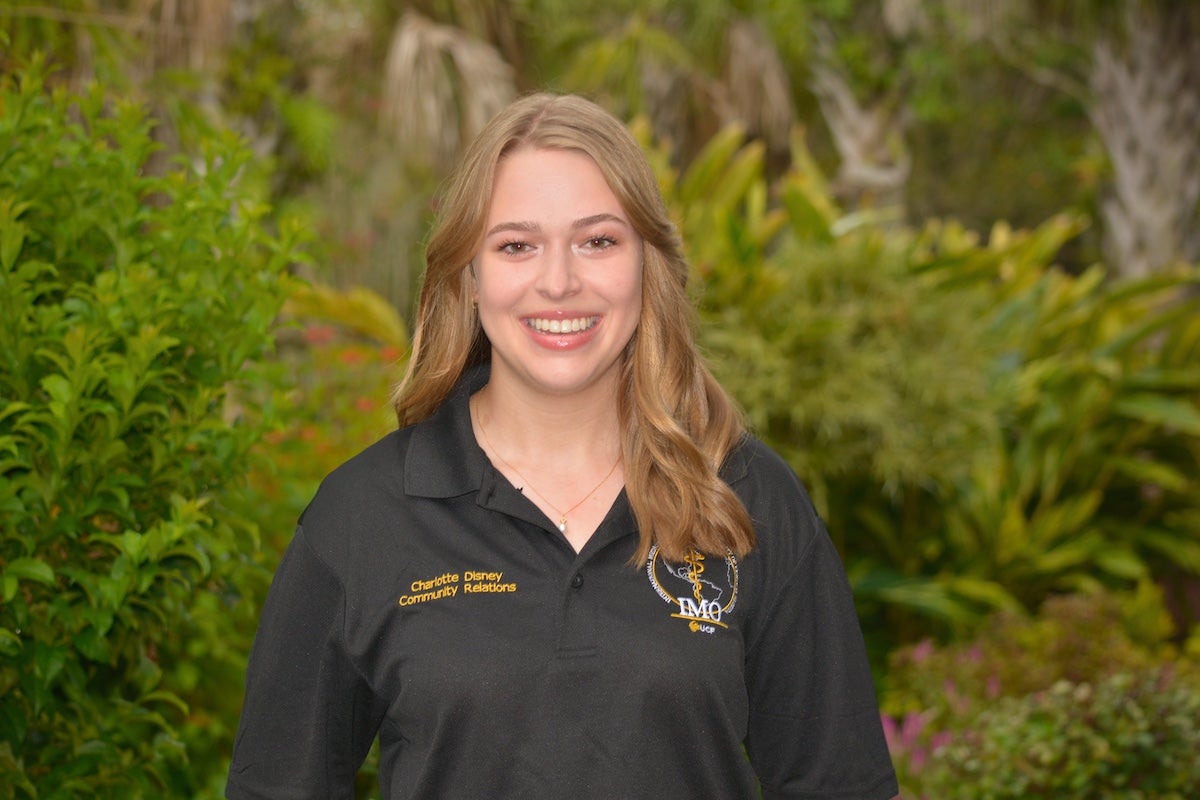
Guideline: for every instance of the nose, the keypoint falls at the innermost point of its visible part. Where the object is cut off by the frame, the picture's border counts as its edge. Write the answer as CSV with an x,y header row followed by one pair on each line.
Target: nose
x,y
559,275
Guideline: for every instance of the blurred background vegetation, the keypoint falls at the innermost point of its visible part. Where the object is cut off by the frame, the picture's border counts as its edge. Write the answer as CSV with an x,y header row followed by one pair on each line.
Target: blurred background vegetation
x,y
945,254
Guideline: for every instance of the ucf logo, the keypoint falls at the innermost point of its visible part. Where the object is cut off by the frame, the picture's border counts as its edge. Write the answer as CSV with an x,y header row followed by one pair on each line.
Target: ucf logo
x,y
702,589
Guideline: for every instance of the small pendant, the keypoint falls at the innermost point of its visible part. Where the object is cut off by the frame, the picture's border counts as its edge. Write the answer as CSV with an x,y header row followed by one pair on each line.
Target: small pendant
x,y
562,525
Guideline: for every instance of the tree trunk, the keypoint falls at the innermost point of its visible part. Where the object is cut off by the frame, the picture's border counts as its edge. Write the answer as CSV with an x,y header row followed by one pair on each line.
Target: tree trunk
x,y
1146,108
875,160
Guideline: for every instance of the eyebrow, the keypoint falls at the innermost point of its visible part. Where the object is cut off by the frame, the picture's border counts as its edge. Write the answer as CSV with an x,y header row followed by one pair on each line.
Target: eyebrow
x,y
533,227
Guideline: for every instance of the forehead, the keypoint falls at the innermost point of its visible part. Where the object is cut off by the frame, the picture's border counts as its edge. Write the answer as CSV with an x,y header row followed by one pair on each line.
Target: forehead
x,y
550,183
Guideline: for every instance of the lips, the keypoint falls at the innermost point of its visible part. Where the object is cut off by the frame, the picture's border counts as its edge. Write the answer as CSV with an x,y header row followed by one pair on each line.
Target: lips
x,y
572,325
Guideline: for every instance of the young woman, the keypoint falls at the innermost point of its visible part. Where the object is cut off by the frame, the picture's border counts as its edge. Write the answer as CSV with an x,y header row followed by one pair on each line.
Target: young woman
x,y
570,573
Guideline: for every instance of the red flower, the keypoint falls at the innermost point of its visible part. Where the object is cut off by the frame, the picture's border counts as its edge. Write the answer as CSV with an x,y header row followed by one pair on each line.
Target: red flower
x,y
351,357
319,334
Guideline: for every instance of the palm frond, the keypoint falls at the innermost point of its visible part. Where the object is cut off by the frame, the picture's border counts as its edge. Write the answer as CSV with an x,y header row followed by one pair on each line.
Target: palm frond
x,y
441,85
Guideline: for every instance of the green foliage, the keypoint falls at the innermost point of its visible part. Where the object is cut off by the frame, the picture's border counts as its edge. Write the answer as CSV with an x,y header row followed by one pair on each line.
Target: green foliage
x,y
612,65
1075,638
130,305
339,355
939,698
979,428
68,45
1128,736
1095,477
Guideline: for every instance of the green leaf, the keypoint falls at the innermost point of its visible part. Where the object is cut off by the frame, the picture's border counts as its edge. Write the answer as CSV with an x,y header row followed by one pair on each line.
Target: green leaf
x,y
92,644
1066,518
114,590
742,173
12,232
1168,412
1177,379
1121,563
1073,553
30,569
192,554
58,388
10,643
1180,547
928,596
133,544
990,593
1153,473
14,407
1133,334
705,174
169,698
810,218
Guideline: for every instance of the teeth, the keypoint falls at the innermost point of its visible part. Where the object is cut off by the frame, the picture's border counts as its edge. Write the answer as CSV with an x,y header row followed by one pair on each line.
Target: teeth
x,y
563,325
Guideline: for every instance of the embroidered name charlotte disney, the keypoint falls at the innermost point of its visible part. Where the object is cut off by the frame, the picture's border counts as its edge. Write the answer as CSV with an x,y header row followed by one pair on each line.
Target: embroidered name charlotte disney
x,y
450,583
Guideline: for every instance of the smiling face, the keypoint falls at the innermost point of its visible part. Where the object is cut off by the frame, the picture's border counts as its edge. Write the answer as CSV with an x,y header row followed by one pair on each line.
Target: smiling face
x,y
558,277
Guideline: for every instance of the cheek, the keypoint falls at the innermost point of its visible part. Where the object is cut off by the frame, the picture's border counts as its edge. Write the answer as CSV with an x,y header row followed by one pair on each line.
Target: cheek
x,y
635,290
492,290
630,302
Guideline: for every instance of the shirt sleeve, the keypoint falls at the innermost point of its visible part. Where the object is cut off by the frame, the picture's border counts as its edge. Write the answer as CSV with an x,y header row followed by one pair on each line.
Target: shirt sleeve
x,y
815,730
308,718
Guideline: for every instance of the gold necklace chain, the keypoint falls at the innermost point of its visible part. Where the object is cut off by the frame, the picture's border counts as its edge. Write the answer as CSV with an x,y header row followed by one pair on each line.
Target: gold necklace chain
x,y
562,515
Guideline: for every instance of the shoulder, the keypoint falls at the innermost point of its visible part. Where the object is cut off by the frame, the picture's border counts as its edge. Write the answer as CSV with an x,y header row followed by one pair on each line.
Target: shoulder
x,y
786,524
355,501
765,482
374,473
752,462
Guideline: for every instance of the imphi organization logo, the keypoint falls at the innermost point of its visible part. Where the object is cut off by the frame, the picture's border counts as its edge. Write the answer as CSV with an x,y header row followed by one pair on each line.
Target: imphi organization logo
x,y
702,589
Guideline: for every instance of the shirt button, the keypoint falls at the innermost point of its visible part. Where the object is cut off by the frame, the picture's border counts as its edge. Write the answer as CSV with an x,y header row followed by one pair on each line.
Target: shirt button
x,y
577,580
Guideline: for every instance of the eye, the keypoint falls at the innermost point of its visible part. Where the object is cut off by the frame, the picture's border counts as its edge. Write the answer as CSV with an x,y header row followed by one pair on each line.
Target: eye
x,y
514,247
600,242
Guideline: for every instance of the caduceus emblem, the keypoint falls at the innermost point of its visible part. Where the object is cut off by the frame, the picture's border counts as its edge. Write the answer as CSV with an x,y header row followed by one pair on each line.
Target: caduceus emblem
x,y
695,568
711,598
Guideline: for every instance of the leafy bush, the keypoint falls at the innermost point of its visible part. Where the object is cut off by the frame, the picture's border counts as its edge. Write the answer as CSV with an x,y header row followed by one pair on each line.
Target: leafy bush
x,y
1129,736
980,429
1076,638
936,694
339,355
130,304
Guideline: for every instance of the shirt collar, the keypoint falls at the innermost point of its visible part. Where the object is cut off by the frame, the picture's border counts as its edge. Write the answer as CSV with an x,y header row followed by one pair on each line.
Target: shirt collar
x,y
444,460
737,463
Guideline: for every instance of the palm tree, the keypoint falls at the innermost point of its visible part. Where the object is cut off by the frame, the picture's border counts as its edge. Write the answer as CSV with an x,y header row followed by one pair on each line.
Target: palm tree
x,y
440,86
1140,83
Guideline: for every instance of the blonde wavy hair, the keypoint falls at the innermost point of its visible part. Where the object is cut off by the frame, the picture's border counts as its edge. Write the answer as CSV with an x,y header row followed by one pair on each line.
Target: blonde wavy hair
x,y
678,424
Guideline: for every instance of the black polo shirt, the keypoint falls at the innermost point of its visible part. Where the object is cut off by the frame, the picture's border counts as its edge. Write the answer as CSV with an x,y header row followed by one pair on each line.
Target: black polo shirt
x,y
427,601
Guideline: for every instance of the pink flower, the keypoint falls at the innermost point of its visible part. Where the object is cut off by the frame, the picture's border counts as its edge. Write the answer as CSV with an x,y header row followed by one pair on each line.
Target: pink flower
x,y
889,733
921,651
911,730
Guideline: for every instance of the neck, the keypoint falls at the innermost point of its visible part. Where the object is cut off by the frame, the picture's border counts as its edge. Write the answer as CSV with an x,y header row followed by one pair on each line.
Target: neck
x,y
558,430
564,456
